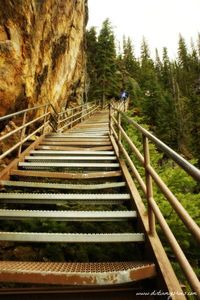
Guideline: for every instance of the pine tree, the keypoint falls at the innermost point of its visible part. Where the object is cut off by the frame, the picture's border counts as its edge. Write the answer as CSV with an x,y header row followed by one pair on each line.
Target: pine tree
x,y
183,69
198,45
166,92
158,66
91,47
130,62
166,70
182,53
106,62
150,86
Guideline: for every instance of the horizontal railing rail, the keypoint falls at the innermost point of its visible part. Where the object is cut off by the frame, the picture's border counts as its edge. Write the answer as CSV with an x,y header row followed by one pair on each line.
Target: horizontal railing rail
x,y
73,119
154,212
10,116
19,140
183,163
47,120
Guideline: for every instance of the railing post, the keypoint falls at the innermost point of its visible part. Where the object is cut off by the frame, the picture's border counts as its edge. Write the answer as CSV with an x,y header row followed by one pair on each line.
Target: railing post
x,y
72,118
58,122
110,118
22,133
149,186
82,112
119,132
45,118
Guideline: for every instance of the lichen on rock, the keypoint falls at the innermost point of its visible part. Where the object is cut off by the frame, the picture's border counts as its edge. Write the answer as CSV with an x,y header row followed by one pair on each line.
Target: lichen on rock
x,y
42,55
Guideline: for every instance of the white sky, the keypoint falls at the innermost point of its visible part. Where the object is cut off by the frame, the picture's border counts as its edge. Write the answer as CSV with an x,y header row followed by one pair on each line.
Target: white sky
x,y
160,21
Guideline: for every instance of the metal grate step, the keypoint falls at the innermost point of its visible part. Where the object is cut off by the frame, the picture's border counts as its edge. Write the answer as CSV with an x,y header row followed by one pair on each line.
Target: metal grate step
x,y
76,273
28,184
78,135
68,158
90,131
26,165
61,152
81,135
69,148
67,175
63,198
39,237
76,143
75,216
73,139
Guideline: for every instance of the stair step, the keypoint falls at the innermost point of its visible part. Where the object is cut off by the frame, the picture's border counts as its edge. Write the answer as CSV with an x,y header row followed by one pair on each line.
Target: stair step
x,y
64,196
73,139
93,124
58,199
28,184
87,134
85,125
68,148
64,273
76,143
96,122
67,165
68,215
50,152
63,202
68,158
81,135
67,175
42,237
90,131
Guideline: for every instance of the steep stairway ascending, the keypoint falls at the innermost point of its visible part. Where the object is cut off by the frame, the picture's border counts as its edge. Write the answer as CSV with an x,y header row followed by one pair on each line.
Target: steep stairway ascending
x,y
75,178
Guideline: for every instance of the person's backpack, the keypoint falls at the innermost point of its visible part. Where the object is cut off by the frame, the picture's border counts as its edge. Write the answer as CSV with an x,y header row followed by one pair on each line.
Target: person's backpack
x,y
127,94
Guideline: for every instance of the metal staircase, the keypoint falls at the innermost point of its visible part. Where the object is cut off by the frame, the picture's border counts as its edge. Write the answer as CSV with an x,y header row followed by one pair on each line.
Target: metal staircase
x,y
76,173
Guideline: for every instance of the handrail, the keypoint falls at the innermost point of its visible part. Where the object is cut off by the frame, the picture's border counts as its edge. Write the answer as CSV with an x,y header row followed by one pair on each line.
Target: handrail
x,y
50,118
21,112
181,211
21,127
150,173
75,107
69,109
183,163
88,112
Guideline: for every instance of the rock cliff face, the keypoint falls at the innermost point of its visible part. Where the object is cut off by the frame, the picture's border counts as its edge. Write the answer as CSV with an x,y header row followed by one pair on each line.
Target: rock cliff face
x,y
42,54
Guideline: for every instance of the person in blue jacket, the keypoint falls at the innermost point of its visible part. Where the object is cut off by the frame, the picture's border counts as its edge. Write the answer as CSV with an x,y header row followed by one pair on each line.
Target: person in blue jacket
x,y
124,95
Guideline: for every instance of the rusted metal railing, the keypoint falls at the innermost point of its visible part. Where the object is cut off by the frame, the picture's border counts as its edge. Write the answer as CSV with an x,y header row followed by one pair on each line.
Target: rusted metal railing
x,y
42,119
47,120
154,212
72,116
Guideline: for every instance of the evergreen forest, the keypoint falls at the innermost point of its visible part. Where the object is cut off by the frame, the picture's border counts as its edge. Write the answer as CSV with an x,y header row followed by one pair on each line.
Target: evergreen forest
x,y
164,92
165,99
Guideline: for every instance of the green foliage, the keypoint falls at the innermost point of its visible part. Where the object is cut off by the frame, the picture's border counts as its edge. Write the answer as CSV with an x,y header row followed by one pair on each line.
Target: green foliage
x,y
91,45
102,62
182,186
166,96
166,93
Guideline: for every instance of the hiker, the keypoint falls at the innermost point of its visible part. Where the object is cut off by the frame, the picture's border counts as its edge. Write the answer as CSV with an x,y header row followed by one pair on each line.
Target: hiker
x,y
123,95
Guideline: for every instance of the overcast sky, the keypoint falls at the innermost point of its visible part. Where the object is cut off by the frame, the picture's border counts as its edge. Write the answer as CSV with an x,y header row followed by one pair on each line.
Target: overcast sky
x,y
160,21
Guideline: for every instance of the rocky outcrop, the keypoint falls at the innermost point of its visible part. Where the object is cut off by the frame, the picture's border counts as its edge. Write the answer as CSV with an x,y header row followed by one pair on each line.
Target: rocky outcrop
x,y
42,54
